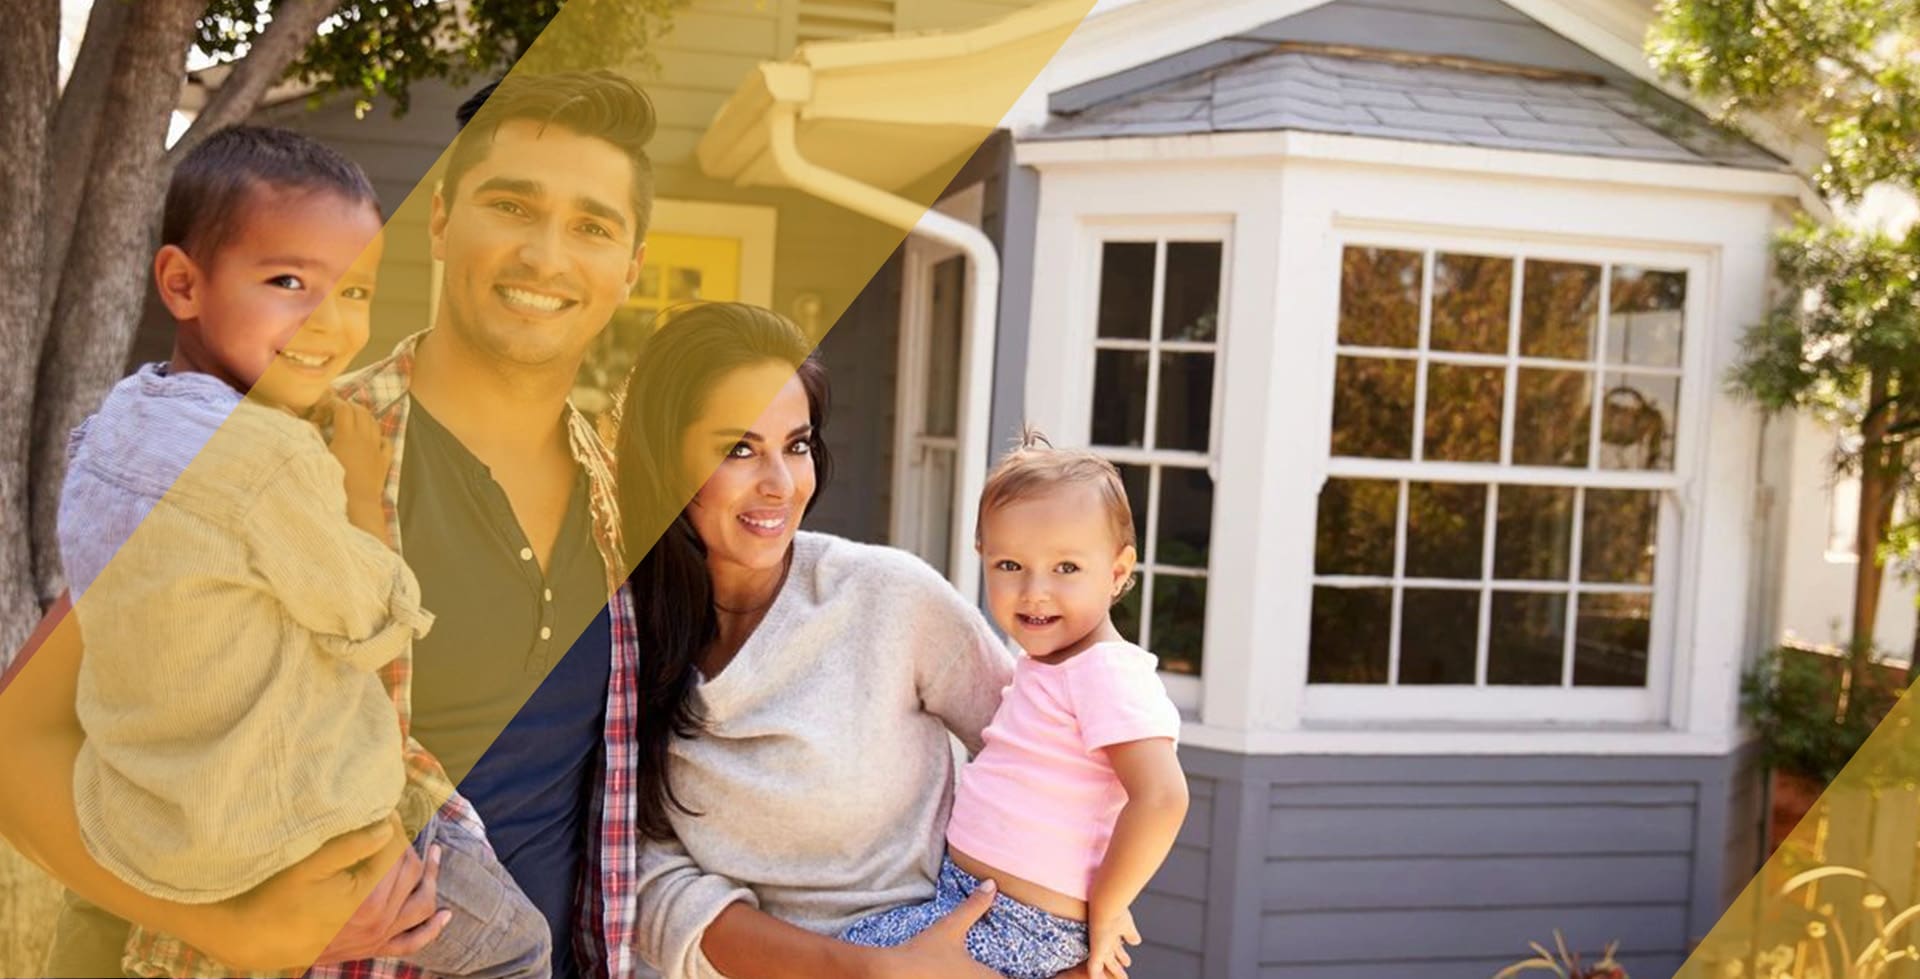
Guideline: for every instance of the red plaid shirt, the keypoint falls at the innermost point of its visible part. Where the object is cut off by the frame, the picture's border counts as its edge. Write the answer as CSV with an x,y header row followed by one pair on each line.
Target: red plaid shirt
x,y
603,936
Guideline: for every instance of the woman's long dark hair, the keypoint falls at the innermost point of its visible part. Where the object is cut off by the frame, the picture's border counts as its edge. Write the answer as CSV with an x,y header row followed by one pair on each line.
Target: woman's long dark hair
x,y
674,371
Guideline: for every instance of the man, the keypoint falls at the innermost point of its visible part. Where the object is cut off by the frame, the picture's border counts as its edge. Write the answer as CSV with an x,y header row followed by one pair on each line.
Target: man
x,y
500,496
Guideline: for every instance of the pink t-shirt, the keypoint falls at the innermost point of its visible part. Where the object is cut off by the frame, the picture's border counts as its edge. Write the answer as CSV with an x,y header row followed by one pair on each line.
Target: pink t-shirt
x,y
1040,799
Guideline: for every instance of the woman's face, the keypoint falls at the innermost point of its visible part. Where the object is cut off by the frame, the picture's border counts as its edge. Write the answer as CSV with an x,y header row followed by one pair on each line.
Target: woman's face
x,y
747,511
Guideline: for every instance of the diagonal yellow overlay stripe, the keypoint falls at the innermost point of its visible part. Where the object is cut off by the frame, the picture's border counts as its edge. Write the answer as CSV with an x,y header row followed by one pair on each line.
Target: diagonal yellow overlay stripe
x,y
1840,899
838,151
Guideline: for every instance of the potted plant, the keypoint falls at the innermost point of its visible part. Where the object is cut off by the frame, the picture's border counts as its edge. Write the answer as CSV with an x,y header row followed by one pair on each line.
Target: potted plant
x,y
1565,964
1797,701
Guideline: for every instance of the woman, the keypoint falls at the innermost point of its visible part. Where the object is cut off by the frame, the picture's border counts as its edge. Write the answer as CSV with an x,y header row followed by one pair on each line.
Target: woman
x,y
800,691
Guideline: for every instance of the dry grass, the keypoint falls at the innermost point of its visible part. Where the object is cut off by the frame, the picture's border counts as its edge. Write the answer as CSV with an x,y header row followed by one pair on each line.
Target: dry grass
x,y
29,901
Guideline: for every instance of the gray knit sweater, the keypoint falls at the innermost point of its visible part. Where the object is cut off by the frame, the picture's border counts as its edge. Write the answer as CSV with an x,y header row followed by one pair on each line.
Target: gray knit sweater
x,y
826,771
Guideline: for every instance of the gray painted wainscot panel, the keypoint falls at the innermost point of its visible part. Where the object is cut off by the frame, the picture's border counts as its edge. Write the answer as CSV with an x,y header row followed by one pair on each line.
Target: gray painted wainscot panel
x,y
1320,867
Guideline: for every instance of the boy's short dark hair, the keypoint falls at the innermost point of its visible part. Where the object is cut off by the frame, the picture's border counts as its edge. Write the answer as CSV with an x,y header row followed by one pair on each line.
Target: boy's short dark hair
x,y
210,190
600,104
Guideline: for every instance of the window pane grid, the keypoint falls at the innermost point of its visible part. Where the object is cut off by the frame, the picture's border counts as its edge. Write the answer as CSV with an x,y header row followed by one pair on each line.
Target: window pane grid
x,y
1561,590
1568,589
1628,385
1167,428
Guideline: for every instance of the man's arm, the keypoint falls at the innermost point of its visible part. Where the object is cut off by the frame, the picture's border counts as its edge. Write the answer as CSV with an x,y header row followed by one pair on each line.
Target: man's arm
x,y
284,922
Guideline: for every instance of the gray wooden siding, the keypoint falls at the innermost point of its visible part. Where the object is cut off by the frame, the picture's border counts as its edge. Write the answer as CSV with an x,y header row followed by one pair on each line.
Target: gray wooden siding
x,y
1343,868
862,354
944,15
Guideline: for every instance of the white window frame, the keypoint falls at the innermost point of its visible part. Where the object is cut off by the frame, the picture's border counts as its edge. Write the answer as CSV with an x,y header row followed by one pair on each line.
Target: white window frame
x,y
1508,705
1078,380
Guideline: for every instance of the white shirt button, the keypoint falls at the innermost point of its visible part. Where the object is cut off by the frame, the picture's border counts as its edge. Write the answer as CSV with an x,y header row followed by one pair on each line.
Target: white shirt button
x,y
549,594
546,632
526,554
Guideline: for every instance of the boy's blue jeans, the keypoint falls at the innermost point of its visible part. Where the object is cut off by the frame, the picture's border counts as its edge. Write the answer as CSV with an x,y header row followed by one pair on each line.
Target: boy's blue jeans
x,y
496,933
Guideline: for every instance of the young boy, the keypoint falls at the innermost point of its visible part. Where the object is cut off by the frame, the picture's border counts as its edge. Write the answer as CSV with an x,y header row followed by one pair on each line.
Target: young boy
x,y
231,576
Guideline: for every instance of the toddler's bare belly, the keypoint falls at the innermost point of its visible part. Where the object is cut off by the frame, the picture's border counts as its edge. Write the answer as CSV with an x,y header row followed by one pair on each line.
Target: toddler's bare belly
x,y
1020,889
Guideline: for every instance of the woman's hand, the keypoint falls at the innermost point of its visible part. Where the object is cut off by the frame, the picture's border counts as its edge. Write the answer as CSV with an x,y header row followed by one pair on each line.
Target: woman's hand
x,y
399,918
940,952
1107,939
296,916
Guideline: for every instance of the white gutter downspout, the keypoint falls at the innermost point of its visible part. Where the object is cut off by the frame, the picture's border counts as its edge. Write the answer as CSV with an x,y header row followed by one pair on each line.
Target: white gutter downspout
x,y
977,340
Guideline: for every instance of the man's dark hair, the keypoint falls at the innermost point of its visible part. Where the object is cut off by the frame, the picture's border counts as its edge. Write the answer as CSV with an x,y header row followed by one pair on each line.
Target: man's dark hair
x,y
212,187
599,104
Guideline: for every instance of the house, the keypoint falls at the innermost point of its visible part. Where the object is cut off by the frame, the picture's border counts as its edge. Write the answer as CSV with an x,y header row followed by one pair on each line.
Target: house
x,y
1406,322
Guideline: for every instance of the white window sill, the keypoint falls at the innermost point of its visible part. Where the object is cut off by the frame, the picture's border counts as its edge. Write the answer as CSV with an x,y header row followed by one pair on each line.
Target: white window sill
x,y
1463,739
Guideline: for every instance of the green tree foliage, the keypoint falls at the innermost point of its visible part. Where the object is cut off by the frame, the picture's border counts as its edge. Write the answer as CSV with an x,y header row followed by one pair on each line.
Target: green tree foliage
x,y
1843,338
86,165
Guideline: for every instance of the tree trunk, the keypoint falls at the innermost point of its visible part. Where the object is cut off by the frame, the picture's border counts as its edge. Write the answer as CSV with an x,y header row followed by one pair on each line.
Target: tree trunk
x,y
98,301
1878,480
76,128
29,76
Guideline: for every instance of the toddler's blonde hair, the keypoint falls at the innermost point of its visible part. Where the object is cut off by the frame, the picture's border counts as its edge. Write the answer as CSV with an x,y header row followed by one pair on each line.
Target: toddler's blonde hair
x,y
1034,468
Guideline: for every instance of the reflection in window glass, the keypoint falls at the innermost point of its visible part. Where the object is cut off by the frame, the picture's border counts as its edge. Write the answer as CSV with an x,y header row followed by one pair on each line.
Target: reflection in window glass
x,y
1441,648
1472,302
1551,415
1185,420
1126,289
1120,394
1186,518
1610,641
1463,413
1379,298
1350,634
1373,408
1526,642
1533,535
1193,291
1637,412
1179,621
683,285
1445,526
1646,308
1559,310
1617,536
1135,479
1126,615
1356,527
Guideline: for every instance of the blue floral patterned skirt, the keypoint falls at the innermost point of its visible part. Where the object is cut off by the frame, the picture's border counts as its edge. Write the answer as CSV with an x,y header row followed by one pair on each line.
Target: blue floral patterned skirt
x,y
1017,940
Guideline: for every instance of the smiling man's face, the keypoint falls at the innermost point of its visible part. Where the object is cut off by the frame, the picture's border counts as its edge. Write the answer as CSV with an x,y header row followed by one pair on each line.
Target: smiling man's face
x,y
539,241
